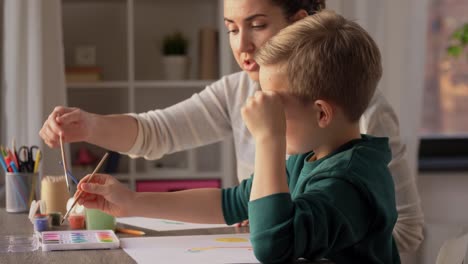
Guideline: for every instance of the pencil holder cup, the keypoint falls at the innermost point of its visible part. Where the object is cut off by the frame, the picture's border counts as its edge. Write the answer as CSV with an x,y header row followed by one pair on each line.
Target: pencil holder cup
x,y
98,220
19,191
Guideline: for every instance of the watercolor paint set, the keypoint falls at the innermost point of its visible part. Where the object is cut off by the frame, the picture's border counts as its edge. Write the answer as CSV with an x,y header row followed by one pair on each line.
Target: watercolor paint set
x,y
79,239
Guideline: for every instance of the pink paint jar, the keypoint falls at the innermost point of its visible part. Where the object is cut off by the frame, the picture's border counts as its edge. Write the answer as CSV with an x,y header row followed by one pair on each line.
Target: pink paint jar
x,y
76,221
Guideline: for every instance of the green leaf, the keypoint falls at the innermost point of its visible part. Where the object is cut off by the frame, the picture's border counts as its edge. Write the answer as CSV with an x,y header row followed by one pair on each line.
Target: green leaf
x,y
457,34
464,38
454,51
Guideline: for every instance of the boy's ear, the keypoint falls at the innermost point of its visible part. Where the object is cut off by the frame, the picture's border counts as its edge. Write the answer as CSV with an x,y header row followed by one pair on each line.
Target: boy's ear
x,y
302,13
324,113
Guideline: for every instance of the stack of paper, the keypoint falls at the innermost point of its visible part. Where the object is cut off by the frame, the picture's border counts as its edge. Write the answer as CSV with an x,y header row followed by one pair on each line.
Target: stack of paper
x,y
219,249
162,224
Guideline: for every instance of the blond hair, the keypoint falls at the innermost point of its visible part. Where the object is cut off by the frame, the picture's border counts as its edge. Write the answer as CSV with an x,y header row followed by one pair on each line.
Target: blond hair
x,y
327,57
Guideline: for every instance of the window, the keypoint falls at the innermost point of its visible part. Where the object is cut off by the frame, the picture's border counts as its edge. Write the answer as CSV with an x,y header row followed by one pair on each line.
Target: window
x,y
444,130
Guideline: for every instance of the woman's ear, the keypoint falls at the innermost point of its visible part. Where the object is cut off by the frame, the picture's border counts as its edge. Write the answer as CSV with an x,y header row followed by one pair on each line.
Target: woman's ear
x,y
298,16
324,113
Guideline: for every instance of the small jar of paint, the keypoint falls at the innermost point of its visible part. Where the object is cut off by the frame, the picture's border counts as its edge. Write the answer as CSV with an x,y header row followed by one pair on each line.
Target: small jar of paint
x,y
41,222
76,221
55,217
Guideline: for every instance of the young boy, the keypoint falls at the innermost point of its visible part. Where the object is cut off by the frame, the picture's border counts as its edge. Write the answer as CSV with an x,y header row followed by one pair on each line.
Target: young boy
x,y
335,199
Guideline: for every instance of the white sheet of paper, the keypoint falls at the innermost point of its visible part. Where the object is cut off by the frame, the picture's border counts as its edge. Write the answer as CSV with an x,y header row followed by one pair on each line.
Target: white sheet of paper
x,y
453,251
162,224
219,249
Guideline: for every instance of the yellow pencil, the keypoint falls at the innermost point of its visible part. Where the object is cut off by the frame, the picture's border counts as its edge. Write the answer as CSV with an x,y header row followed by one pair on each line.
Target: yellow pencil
x,y
130,231
33,189
33,184
38,159
36,167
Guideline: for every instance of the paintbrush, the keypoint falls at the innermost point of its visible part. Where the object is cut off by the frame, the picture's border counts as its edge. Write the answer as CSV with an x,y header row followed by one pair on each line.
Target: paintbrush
x,y
64,163
89,179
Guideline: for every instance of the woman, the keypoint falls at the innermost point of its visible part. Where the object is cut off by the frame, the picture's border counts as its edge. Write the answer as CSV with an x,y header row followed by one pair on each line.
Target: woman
x,y
214,114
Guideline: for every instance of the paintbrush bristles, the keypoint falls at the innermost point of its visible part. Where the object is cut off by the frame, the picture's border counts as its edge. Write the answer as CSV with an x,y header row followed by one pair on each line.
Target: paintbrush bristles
x,y
89,179
64,163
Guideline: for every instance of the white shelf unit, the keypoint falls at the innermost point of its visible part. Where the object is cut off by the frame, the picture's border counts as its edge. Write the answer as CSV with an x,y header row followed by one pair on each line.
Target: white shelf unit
x,y
127,36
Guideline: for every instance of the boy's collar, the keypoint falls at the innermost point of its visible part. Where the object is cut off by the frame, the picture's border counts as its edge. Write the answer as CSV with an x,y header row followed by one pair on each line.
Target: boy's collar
x,y
312,157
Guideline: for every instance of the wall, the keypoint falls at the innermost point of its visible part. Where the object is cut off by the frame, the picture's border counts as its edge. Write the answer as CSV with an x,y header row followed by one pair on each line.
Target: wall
x,y
2,119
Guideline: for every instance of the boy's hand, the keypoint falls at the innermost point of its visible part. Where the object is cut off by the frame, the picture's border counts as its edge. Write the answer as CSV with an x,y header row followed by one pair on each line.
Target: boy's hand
x,y
107,194
242,224
264,115
73,123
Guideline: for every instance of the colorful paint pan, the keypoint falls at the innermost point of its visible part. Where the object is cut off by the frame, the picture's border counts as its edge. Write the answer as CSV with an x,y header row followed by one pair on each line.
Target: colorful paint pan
x,y
79,239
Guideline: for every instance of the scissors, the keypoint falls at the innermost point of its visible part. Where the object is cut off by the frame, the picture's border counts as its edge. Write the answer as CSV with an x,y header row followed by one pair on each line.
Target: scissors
x,y
25,158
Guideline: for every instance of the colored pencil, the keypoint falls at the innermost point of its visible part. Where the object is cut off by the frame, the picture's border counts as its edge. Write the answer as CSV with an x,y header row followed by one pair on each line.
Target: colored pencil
x,y
130,231
36,162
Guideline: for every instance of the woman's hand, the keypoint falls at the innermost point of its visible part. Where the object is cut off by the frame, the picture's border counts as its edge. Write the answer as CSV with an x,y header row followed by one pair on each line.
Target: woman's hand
x,y
73,124
107,194
264,115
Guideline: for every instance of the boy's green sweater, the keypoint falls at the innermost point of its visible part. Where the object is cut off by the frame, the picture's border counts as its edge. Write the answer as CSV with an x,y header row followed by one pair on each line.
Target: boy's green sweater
x,y
340,207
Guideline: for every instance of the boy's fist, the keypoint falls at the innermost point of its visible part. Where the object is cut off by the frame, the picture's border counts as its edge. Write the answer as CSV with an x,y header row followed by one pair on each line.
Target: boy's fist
x,y
264,115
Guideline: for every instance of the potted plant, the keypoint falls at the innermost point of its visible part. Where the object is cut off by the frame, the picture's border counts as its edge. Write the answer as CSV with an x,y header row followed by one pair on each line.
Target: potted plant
x,y
459,40
175,59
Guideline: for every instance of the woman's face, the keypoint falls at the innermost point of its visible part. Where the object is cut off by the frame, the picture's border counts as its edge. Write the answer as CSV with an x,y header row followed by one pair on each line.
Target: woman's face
x,y
250,23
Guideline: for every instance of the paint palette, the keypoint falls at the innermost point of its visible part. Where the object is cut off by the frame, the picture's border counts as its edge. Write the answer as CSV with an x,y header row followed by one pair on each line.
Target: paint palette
x,y
79,239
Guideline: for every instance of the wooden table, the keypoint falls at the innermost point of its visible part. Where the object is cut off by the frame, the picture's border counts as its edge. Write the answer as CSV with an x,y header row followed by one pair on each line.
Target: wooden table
x,y
19,224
